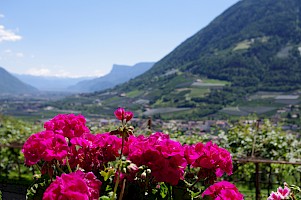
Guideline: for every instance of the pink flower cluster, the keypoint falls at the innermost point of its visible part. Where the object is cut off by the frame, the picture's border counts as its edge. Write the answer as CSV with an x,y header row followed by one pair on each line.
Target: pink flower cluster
x,y
66,139
209,157
282,193
51,144
45,145
223,191
165,157
92,152
67,136
76,186
68,125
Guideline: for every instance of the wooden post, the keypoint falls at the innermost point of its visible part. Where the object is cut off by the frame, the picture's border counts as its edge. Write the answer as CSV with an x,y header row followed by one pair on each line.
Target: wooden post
x,y
257,181
149,123
270,185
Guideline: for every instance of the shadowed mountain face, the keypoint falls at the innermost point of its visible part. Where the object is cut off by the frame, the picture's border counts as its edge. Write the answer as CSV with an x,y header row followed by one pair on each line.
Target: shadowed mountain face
x,y
9,84
119,74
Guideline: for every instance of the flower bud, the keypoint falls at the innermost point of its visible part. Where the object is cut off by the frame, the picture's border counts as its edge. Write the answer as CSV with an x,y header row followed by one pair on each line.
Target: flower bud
x,y
132,167
143,175
119,113
128,115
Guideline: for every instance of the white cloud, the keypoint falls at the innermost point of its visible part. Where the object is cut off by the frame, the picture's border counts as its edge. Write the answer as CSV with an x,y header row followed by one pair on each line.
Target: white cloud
x,y
20,54
98,73
8,35
8,51
1,15
38,72
43,71
62,73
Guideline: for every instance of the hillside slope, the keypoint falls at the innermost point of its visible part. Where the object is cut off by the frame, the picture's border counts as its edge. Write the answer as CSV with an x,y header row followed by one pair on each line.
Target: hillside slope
x,y
9,84
254,37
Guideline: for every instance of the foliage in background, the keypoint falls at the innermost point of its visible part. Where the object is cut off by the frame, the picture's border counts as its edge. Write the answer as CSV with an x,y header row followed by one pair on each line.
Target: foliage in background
x,y
13,133
263,140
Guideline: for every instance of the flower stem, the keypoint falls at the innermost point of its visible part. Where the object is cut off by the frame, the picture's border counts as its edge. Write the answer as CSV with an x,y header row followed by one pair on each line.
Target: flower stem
x,y
122,190
39,168
68,165
199,178
58,167
119,168
116,183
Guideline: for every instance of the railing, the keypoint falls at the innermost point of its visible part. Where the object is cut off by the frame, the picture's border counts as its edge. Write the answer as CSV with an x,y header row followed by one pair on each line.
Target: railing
x,y
257,163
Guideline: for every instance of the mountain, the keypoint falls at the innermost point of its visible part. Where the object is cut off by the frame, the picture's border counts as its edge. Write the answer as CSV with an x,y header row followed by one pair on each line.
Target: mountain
x,y
50,83
118,74
253,46
260,38
9,84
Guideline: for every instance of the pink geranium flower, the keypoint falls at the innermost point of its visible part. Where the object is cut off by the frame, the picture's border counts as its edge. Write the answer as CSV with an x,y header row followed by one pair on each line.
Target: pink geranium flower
x,y
68,125
162,155
274,196
92,152
33,148
223,190
284,192
210,157
190,154
46,146
56,147
76,186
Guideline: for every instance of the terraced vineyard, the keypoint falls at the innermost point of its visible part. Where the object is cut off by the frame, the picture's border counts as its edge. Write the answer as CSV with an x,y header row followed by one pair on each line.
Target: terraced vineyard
x,y
264,103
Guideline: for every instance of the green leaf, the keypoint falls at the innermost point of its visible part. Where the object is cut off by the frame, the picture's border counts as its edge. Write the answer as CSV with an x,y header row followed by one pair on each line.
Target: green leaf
x,y
163,190
107,173
104,198
194,194
37,189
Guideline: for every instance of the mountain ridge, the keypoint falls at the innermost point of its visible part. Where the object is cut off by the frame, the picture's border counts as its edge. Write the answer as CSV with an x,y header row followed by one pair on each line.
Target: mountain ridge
x,y
50,83
9,84
118,74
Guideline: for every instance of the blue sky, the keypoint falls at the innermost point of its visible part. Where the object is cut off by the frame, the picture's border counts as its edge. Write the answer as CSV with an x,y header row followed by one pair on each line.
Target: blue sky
x,y
85,38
